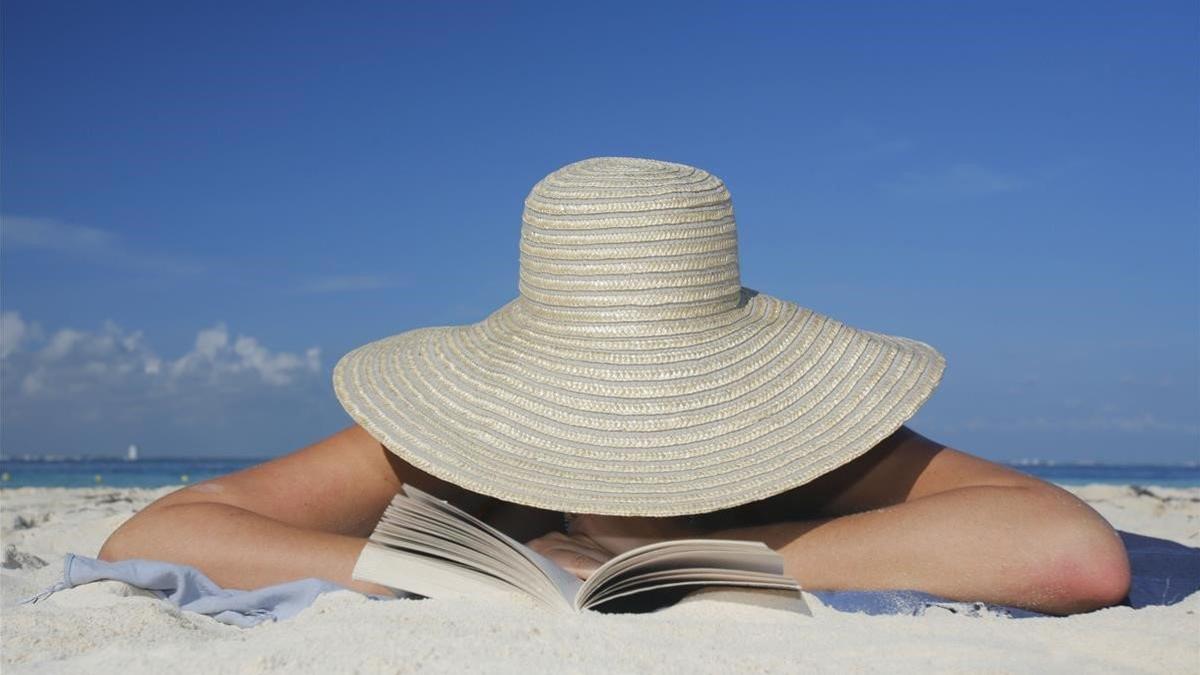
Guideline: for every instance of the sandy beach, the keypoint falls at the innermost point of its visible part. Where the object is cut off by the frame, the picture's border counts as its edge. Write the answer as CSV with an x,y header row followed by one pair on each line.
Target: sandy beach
x,y
108,627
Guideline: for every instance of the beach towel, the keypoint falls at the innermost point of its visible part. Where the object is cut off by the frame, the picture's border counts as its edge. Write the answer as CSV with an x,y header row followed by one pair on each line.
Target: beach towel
x,y
1164,573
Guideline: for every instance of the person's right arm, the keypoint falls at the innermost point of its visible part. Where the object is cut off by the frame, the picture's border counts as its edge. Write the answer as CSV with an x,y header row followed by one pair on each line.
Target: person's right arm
x,y
306,514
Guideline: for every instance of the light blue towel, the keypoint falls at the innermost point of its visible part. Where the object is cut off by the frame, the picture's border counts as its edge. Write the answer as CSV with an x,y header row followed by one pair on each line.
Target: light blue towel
x,y
1164,572
188,588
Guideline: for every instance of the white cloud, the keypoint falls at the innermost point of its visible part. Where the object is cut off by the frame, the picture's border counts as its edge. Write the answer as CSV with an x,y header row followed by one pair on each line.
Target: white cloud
x,y
95,390
14,332
959,180
44,233
61,344
71,362
215,355
91,244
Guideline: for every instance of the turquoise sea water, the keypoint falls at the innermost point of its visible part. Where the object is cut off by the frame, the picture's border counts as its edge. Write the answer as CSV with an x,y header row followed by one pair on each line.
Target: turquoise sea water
x,y
160,472
116,472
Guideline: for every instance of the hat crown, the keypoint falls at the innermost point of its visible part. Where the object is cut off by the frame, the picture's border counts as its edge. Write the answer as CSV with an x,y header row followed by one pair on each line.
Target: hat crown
x,y
619,239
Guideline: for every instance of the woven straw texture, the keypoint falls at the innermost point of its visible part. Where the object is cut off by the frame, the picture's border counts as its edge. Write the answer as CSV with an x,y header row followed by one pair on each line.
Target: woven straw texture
x,y
633,374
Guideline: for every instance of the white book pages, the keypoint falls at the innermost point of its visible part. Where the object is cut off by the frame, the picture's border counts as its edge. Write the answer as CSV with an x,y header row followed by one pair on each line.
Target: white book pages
x,y
565,584
430,547
686,553
404,528
697,583
709,575
425,576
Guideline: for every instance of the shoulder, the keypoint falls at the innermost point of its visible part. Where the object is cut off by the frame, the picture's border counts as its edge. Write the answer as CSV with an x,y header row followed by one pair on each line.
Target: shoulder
x,y
396,471
337,483
904,466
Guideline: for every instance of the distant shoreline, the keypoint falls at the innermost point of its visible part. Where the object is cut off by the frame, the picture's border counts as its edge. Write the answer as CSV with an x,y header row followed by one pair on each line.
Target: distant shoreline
x,y
249,461
152,472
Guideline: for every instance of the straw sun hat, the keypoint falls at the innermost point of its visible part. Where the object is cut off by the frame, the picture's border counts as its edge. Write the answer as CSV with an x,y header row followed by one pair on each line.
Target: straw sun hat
x,y
633,374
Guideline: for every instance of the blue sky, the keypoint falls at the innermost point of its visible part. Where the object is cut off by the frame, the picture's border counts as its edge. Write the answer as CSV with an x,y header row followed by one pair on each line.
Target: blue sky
x,y
205,206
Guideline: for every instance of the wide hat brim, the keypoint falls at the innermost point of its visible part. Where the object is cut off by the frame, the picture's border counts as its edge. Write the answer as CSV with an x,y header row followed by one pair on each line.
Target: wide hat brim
x,y
745,405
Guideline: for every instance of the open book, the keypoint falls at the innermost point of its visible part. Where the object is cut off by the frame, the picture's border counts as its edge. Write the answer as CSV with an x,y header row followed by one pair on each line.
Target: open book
x,y
427,546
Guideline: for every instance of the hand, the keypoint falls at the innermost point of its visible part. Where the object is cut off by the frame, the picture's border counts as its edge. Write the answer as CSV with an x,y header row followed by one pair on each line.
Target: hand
x,y
576,553
618,534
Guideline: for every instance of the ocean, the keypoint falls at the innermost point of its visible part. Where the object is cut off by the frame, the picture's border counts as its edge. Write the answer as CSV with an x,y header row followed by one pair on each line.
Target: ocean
x,y
113,472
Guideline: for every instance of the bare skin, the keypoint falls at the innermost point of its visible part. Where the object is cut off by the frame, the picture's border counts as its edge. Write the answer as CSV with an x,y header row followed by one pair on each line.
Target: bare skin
x,y
911,513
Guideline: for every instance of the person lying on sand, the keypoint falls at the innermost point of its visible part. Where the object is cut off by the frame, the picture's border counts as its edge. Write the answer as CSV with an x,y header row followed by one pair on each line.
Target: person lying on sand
x,y
635,391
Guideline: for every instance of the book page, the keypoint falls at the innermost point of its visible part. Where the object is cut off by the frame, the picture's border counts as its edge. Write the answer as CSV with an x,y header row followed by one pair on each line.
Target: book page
x,y
430,547
420,574
419,526
682,574
409,523
695,582
565,584
466,556
690,561
680,554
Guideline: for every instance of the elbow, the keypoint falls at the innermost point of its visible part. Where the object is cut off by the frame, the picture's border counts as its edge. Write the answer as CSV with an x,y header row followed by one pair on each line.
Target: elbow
x,y
1086,580
109,552
140,534
115,548
1083,566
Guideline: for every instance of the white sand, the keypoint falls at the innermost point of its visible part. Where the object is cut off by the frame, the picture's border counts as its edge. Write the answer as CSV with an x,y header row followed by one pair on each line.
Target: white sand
x,y
105,627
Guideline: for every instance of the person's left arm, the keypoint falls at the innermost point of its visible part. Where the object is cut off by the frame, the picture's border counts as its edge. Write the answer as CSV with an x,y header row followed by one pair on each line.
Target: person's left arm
x,y
914,514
